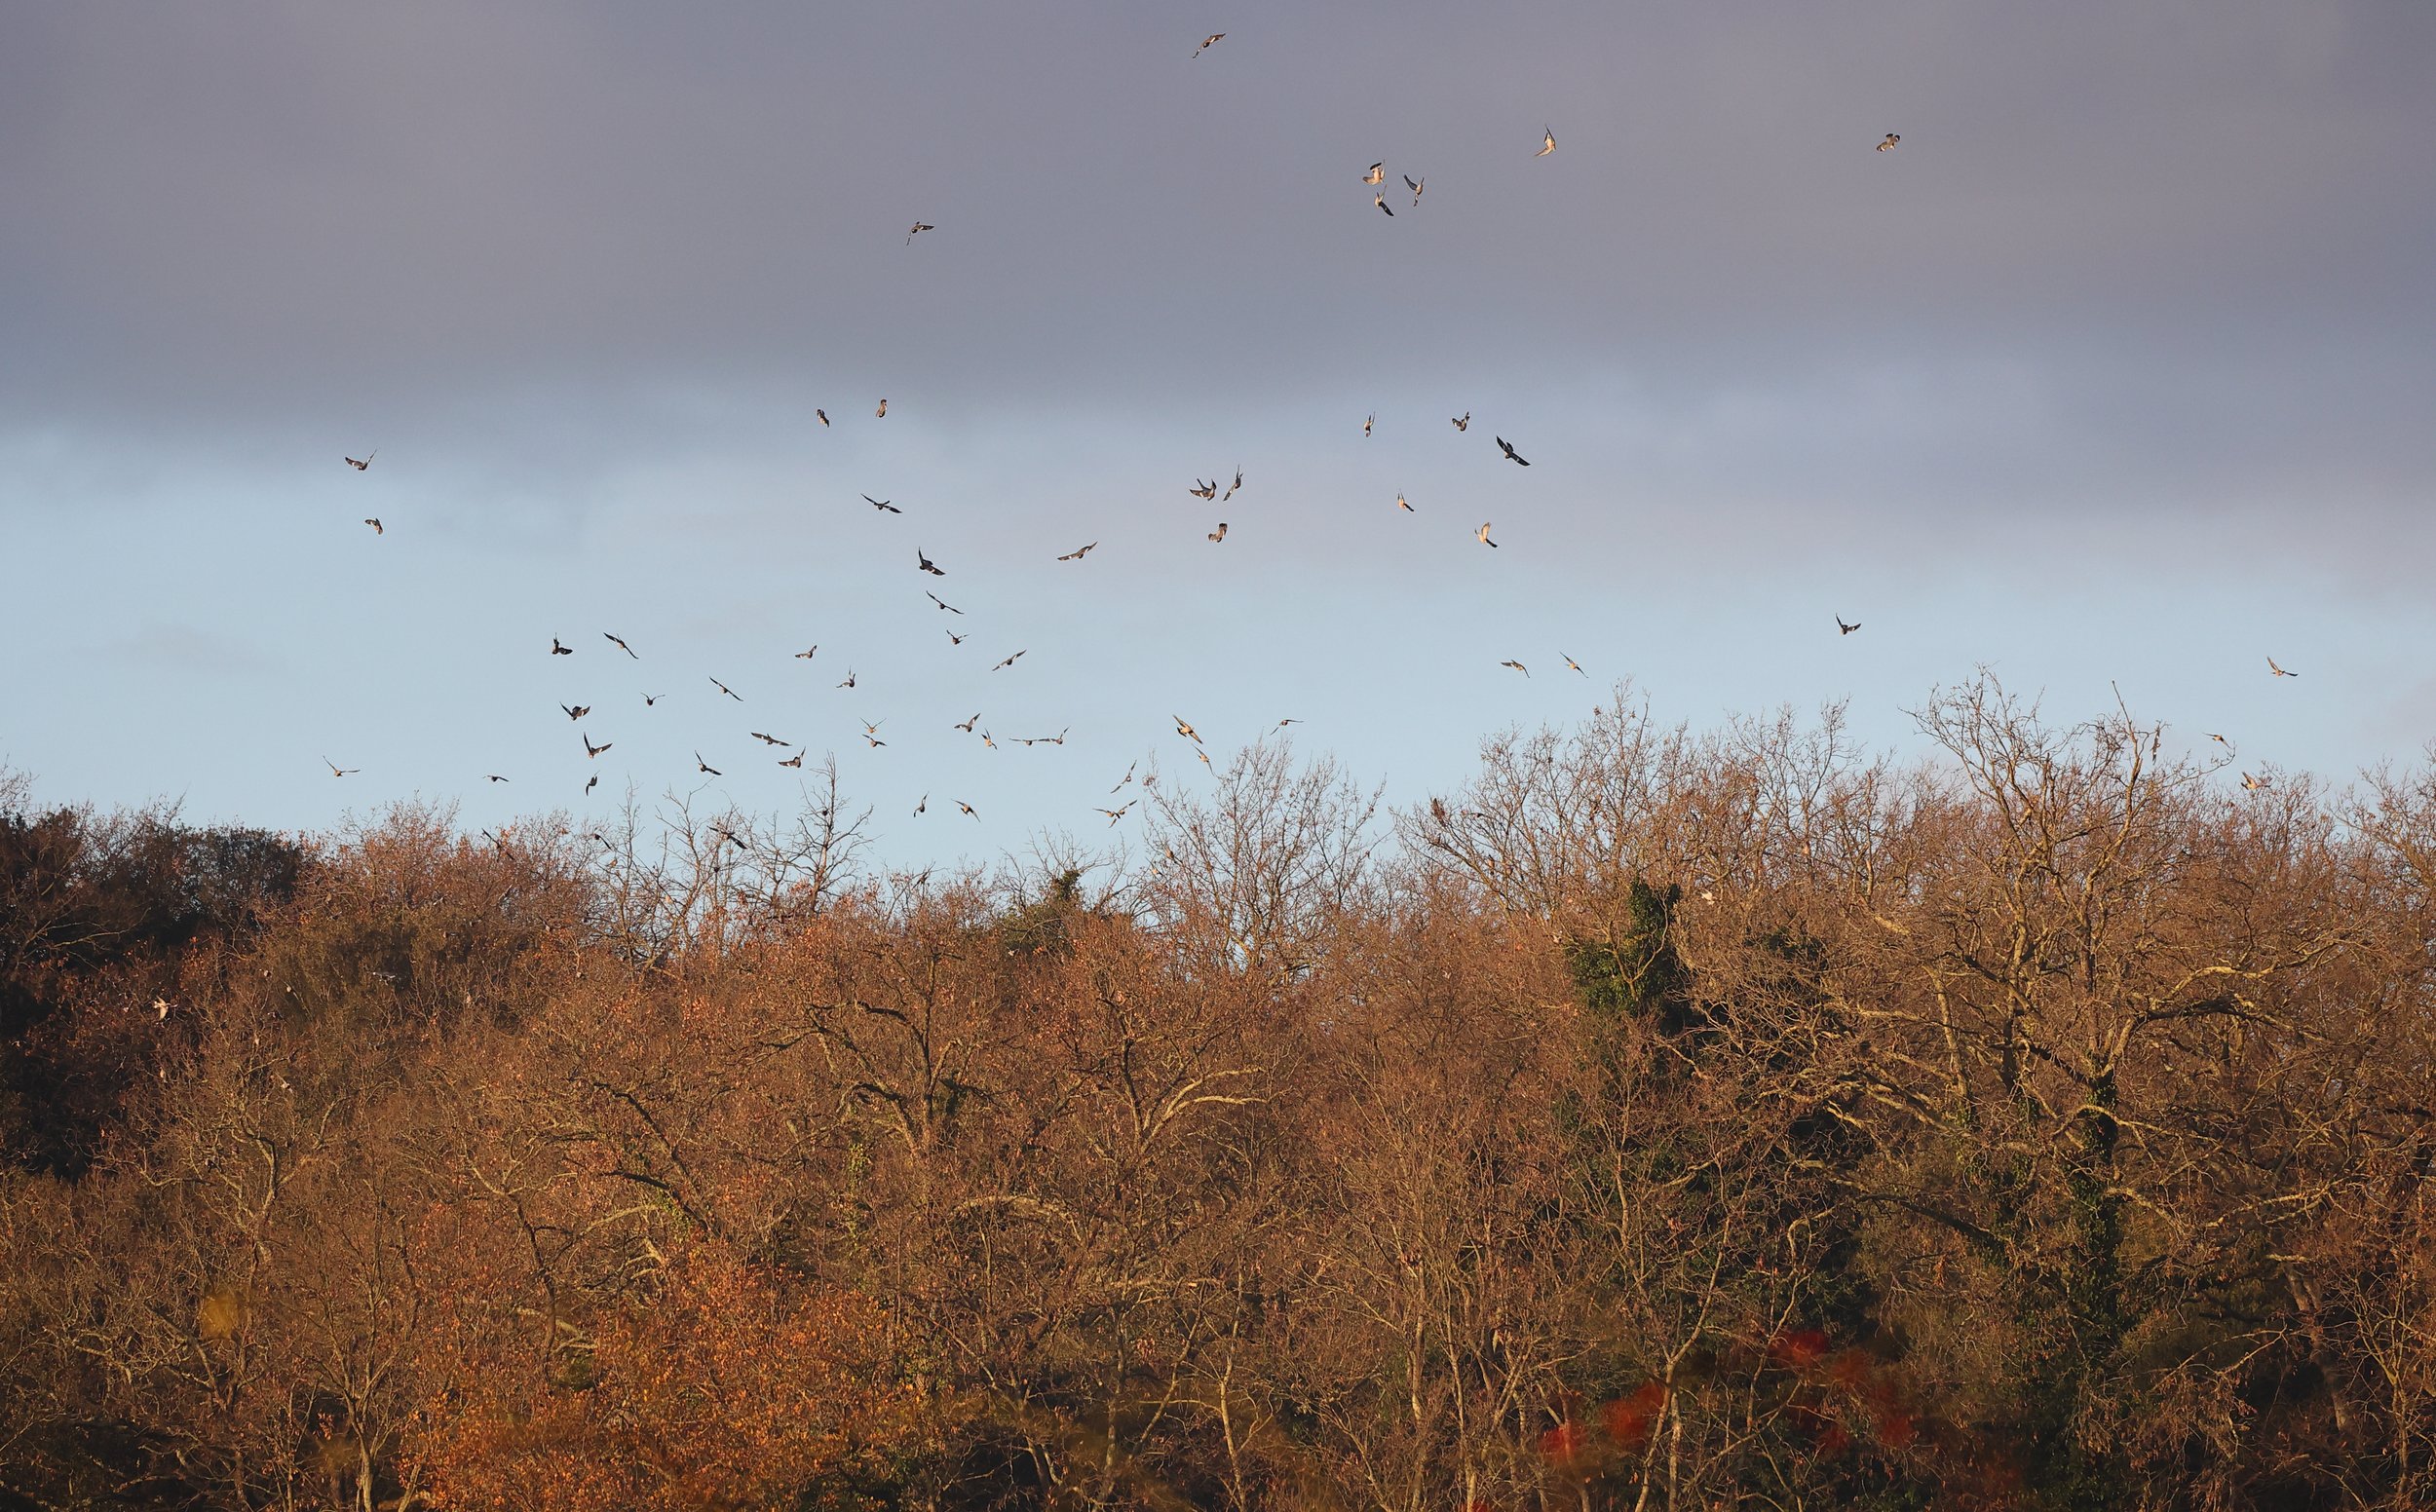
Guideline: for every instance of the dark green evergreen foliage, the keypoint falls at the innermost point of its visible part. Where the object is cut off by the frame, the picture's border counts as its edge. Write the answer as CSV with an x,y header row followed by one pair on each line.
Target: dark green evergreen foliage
x,y
1634,972
94,916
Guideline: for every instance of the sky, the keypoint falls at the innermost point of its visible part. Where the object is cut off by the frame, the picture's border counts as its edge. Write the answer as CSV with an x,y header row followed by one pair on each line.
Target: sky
x,y
2115,375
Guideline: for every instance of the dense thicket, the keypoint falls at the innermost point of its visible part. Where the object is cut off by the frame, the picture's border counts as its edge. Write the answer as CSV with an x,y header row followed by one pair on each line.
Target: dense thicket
x,y
1662,1120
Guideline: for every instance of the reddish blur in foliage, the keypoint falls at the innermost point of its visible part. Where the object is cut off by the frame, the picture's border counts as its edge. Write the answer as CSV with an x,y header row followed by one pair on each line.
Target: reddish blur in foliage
x,y
1629,1420
1798,1348
1563,1444
724,1390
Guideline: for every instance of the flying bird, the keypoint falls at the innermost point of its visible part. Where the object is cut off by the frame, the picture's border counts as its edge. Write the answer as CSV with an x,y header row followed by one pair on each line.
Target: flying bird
x,y
882,504
2218,739
1371,419
338,771
1220,534
922,808
925,564
1414,184
1078,554
1547,142
796,761
376,526
1576,665
881,411
822,416
768,739
1400,502
967,726
919,227
1010,660
943,603
651,699
1232,487
1282,722
1209,42
875,742
1185,729
590,750
1377,176
1888,145
1201,490
1114,815
968,807
558,650
494,777
806,656
1517,666
364,462
2277,670
576,710
1380,200
1482,534
955,640
850,678
1511,455
724,688
2253,784
620,645
590,782
986,742
705,766
1845,629
1464,424
1127,777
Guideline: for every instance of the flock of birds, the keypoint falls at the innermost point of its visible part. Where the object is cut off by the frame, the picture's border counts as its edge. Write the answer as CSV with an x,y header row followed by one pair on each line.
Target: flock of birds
x,y
1207,490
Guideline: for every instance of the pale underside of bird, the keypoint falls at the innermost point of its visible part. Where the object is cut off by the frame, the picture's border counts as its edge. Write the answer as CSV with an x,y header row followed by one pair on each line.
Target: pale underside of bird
x,y
1380,200
1464,423
881,411
1114,815
808,655
375,524
1078,552
923,563
1127,777
822,416
850,678
1576,665
1377,176
1547,142
1185,729
2252,783
1372,418
1201,490
1846,628
359,464
968,807
1220,534
1209,42
591,751
1402,502
967,726
2277,670
703,765
1517,666
1511,455
882,504
796,761
1482,534
620,644
919,227
1415,186
724,688
1888,145
955,640
337,770
1233,487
